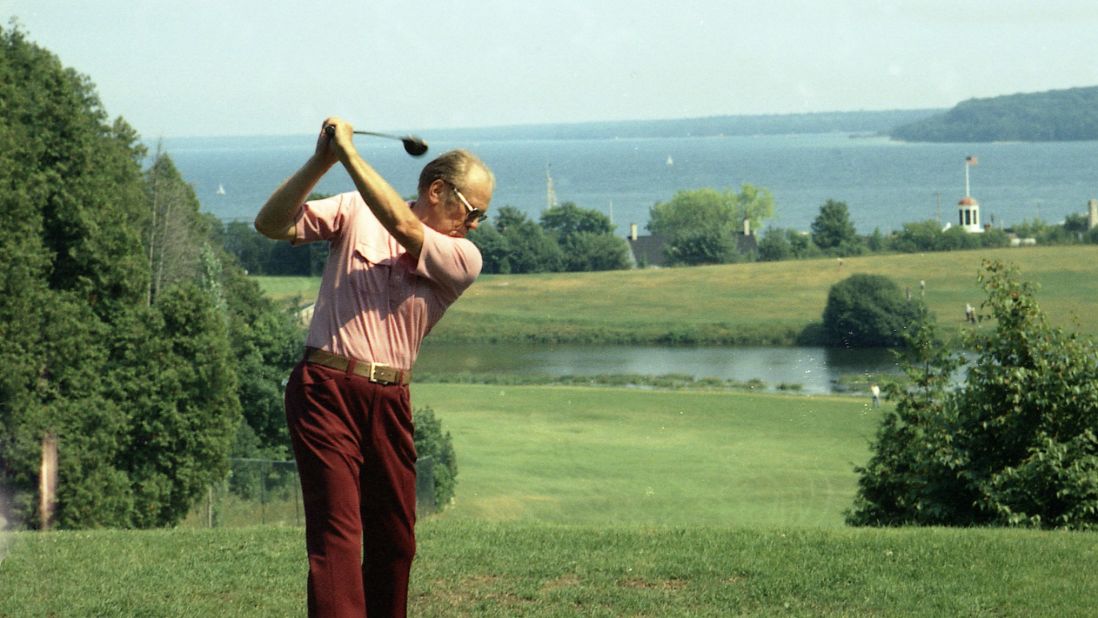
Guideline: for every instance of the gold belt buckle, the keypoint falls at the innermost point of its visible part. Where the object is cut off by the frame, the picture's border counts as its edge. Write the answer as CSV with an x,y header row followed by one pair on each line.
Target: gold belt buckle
x,y
381,373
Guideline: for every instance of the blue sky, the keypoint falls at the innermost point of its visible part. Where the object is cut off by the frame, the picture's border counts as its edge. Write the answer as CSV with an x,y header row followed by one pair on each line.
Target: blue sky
x,y
178,68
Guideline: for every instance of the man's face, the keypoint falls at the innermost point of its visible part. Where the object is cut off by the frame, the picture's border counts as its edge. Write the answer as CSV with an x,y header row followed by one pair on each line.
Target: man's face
x,y
464,205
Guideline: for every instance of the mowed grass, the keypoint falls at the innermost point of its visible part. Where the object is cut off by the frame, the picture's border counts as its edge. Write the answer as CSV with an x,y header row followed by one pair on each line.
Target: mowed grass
x,y
611,456
754,303
600,502
531,569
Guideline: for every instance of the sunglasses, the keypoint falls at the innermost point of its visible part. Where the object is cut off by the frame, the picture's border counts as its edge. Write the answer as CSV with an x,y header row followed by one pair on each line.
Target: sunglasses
x,y
472,214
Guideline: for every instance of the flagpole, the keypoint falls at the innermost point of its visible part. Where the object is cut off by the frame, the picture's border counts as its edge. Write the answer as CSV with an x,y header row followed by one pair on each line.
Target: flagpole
x,y
966,178
969,161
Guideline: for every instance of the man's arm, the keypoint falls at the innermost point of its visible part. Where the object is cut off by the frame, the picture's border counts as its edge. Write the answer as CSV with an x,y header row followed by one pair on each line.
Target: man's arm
x,y
276,219
387,205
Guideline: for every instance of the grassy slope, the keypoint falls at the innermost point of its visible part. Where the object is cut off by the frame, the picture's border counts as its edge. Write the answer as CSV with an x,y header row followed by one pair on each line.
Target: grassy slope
x,y
625,456
517,569
738,303
601,502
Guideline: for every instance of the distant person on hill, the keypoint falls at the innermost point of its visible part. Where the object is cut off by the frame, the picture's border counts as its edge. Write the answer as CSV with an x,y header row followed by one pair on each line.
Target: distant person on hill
x,y
875,392
392,270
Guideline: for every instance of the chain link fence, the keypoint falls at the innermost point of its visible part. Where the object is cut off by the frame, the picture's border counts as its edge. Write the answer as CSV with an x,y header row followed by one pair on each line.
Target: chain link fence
x,y
267,492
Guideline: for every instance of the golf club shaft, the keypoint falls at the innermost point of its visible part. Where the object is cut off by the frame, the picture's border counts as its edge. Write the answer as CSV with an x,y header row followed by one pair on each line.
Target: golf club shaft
x,y
330,130
412,144
378,134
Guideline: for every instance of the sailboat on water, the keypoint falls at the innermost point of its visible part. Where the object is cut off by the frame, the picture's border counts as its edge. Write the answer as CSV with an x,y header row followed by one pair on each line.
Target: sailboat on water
x,y
220,189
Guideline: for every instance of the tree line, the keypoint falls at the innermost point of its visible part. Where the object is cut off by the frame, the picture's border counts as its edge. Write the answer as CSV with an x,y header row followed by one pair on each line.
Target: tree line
x,y
126,330
1055,115
696,226
567,238
699,227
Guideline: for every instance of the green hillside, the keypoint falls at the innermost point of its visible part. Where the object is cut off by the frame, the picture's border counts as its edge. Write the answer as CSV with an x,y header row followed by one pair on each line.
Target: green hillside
x,y
1055,115
756,303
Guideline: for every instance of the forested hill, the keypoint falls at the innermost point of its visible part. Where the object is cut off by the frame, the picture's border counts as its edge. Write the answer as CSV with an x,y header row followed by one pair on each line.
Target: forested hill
x,y
1055,115
877,122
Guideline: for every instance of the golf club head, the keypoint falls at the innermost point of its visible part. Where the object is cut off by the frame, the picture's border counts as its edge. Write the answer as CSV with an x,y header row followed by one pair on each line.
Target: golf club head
x,y
412,144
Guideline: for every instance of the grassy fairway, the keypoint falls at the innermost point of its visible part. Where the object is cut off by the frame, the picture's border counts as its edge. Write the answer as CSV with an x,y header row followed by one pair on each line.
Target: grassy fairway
x,y
600,502
770,302
625,456
525,569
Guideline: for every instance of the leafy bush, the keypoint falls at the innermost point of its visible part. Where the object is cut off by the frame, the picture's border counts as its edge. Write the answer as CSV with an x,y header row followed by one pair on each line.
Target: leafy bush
x,y
432,442
1016,445
865,311
928,235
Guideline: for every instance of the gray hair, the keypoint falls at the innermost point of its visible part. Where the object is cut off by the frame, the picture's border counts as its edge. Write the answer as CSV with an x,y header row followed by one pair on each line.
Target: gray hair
x,y
452,167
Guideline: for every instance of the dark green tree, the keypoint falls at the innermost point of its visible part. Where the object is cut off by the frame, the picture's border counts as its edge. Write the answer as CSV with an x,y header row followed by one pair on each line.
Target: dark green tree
x,y
698,226
567,220
910,478
918,236
90,356
865,311
266,342
775,246
1029,411
586,238
876,241
833,231
586,252
72,210
702,246
182,422
1015,445
495,250
525,246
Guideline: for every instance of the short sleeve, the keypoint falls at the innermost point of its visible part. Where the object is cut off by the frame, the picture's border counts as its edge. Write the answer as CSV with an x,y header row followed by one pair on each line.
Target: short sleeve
x,y
322,219
452,264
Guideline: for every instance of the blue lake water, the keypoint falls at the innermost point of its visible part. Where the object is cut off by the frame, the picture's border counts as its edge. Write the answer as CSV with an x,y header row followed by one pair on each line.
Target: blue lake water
x,y
884,183
814,370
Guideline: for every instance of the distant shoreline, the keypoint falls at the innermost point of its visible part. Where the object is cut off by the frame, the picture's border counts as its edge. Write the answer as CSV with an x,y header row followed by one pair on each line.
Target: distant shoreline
x,y
878,123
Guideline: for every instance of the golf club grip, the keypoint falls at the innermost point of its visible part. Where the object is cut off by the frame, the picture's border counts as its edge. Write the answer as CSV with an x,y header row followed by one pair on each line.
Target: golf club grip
x,y
330,130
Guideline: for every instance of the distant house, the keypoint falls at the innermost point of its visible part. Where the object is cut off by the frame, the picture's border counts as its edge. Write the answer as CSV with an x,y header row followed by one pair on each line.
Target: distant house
x,y
648,251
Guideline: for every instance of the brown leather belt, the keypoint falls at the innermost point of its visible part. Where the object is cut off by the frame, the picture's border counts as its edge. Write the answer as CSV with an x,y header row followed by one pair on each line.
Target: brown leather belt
x,y
374,372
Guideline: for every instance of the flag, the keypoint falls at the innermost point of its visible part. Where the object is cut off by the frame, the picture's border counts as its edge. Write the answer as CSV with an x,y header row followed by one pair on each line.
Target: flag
x,y
971,160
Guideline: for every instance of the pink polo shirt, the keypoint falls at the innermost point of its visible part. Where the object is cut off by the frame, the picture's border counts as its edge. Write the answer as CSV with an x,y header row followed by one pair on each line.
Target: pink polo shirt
x,y
376,303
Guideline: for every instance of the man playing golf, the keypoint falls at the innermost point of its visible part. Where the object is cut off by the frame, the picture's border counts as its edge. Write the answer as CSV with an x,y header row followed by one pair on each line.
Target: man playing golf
x,y
392,271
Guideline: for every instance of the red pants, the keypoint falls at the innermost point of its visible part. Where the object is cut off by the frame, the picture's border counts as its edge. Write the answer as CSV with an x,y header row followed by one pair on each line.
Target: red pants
x,y
352,440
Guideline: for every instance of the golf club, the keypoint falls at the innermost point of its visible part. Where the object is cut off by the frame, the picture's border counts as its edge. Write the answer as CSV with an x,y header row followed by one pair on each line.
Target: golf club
x,y
412,144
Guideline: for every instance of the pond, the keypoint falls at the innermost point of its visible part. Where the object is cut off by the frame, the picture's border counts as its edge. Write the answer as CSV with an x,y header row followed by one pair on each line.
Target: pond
x,y
814,369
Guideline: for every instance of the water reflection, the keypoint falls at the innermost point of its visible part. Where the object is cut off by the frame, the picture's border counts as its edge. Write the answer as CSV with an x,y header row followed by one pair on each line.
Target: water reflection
x,y
814,369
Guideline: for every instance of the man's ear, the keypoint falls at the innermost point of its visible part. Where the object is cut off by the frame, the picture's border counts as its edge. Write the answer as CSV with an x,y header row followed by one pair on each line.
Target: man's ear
x,y
436,191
